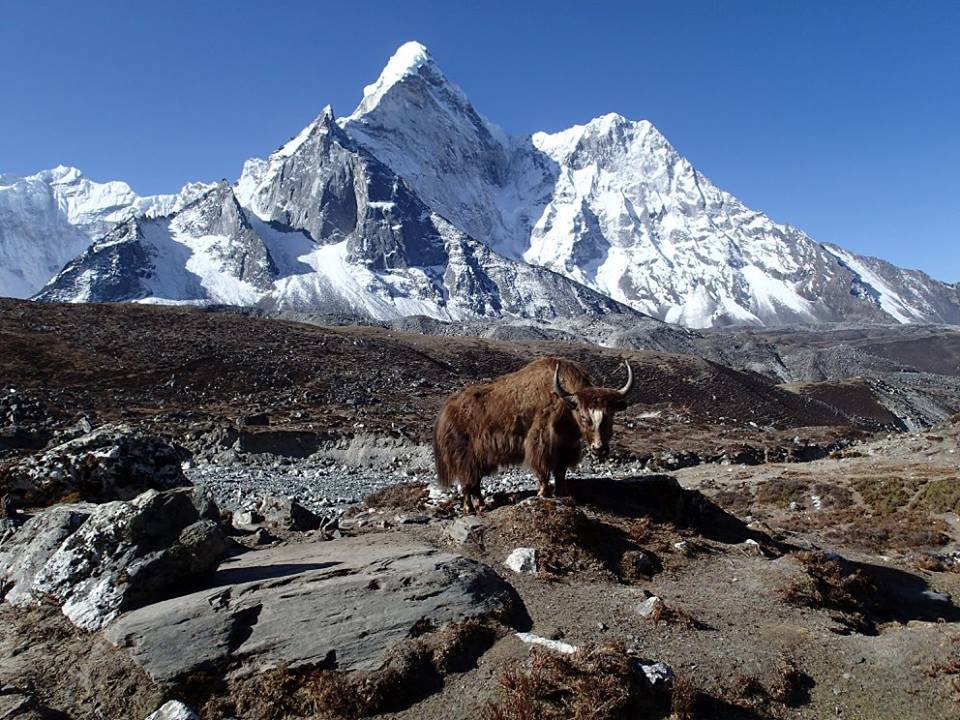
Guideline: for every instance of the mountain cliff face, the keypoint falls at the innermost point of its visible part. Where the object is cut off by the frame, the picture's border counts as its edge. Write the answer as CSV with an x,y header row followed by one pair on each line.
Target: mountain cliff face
x,y
416,204
49,218
613,205
320,224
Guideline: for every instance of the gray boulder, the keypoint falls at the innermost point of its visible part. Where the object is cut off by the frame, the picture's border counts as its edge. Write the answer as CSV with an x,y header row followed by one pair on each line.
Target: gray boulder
x,y
113,462
25,551
120,556
342,604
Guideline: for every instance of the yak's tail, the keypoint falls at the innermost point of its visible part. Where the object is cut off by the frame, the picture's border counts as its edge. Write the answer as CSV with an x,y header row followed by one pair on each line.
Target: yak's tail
x,y
440,457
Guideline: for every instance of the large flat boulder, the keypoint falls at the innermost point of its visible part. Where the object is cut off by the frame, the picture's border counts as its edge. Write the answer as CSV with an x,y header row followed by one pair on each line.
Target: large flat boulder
x,y
339,604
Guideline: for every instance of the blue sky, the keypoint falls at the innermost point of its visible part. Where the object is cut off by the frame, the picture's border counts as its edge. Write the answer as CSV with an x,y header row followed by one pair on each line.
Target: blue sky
x,y
840,118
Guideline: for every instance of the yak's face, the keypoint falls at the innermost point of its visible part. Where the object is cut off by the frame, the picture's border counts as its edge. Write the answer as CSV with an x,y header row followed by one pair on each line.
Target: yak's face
x,y
594,412
593,408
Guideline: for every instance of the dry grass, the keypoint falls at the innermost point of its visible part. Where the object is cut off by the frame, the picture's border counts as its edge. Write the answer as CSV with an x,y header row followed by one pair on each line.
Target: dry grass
x,y
832,583
949,668
885,495
906,530
596,683
402,496
940,496
414,669
572,541
783,491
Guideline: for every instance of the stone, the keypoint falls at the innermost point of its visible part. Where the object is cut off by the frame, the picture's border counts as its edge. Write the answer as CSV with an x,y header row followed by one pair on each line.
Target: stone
x,y
412,519
173,710
123,555
15,705
650,606
312,603
522,560
113,462
246,519
466,528
554,645
26,550
284,514
752,547
637,562
262,536
259,419
682,547
657,673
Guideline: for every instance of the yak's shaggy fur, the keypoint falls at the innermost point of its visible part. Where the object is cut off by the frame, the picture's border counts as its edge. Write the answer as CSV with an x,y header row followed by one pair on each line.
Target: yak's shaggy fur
x,y
536,416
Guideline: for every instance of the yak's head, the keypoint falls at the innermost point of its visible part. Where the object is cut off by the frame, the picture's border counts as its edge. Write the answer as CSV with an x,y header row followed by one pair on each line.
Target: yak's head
x,y
593,408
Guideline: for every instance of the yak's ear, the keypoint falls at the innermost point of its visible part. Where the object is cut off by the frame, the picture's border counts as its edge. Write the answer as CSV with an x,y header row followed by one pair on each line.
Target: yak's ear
x,y
619,405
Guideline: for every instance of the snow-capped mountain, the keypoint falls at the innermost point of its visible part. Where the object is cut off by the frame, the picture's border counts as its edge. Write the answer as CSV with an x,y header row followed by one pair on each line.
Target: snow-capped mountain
x,y
48,218
613,205
417,204
319,225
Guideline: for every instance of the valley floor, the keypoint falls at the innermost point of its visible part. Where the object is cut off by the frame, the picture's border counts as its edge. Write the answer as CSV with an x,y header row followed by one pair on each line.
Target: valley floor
x,y
805,557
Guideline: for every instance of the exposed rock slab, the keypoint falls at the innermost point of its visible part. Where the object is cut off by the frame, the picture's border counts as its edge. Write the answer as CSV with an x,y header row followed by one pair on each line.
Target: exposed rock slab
x,y
339,604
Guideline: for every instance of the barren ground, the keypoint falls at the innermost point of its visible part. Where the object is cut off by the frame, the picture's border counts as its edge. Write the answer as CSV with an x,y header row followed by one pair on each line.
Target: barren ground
x,y
856,541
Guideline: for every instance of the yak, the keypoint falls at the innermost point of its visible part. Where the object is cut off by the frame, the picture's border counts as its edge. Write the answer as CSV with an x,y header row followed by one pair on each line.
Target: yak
x,y
535,416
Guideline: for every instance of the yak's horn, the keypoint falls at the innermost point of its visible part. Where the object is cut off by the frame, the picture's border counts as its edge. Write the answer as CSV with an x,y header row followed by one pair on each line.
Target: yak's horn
x,y
626,388
558,388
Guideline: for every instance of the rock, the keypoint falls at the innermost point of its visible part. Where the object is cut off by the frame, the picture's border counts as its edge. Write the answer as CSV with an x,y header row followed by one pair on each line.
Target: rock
x,y
636,562
122,556
752,547
173,710
412,519
310,603
15,705
262,536
260,419
246,519
284,514
682,547
657,673
113,462
555,645
25,552
522,560
467,528
650,607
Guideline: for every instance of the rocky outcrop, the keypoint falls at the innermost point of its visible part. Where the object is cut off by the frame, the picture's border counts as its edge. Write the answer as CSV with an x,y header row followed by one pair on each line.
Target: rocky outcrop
x,y
339,605
113,462
98,561
25,551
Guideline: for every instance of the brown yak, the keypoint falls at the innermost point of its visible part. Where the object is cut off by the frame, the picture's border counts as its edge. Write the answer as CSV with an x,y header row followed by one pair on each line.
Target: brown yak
x,y
535,416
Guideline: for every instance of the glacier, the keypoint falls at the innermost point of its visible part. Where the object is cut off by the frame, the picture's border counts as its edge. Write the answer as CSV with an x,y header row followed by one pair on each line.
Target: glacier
x,y
49,218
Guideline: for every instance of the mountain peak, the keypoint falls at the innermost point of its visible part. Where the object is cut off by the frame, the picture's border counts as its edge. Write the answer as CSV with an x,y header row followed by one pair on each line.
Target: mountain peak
x,y
408,59
411,58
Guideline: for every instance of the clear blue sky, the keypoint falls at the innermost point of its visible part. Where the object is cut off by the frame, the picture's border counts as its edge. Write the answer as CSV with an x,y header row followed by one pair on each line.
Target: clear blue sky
x,y
839,117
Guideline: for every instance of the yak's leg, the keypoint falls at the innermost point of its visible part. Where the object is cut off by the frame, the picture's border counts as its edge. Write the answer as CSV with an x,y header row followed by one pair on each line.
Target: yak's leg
x,y
544,489
478,494
471,489
535,458
560,480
